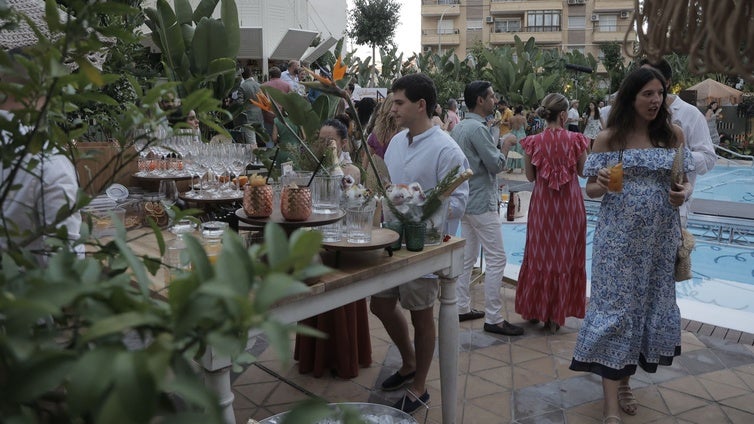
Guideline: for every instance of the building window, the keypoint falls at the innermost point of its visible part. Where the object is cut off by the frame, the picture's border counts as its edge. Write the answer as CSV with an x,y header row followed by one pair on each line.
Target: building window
x,y
447,1
507,25
474,24
543,20
577,22
607,23
445,27
580,49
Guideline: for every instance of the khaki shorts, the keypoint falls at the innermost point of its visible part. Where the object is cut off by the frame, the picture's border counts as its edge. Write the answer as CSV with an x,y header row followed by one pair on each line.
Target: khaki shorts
x,y
416,295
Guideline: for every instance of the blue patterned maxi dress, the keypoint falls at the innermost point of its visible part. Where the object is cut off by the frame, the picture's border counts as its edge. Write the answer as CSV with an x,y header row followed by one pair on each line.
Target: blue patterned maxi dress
x,y
632,317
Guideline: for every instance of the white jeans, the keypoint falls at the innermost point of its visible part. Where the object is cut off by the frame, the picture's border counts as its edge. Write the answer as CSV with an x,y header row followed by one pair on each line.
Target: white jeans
x,y
483,231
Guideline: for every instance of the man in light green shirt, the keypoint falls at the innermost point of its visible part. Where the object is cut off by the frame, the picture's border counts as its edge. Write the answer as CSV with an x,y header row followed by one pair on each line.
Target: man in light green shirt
x,y
480,224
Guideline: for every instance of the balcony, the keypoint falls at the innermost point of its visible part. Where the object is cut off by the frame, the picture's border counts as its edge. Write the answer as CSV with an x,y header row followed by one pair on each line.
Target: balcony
x,y
447,37
543,35
607,33
614,4
507,6
441,8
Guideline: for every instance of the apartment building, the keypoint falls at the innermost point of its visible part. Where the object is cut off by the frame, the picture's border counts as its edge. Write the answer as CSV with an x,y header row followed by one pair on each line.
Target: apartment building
x,y
566,25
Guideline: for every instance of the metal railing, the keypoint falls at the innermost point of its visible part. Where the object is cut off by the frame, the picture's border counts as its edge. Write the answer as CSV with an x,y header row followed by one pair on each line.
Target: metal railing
x,y
735,154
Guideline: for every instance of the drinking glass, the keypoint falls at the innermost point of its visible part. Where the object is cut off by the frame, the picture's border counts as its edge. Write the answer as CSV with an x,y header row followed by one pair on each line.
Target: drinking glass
x,y
326,193
168,197
359,219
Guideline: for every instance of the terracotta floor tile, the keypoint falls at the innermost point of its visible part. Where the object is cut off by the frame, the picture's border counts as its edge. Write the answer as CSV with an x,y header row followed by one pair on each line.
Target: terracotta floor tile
x,y
737,416
502,376
483,362
478,387
525,378
498,403
720,391
708,414
744,403
679,403
725,377
544,366
539,344
523,354
689,385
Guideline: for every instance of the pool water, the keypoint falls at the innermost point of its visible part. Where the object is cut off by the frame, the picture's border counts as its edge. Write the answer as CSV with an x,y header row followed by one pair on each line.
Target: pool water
x,y
727,183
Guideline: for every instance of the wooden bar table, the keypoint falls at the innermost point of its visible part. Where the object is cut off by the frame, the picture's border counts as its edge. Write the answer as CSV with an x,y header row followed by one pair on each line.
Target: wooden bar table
x,y
360,274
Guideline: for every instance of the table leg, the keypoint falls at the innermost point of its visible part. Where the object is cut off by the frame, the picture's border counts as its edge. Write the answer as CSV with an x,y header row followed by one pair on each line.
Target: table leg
x,y
448,341
216,372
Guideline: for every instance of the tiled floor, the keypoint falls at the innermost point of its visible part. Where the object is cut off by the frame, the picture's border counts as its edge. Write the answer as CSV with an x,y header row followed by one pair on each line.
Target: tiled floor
x,y
523,380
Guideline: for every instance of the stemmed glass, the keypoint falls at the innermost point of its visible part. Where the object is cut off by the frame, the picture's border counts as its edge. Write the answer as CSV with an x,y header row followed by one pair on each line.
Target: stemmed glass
x,y
168,197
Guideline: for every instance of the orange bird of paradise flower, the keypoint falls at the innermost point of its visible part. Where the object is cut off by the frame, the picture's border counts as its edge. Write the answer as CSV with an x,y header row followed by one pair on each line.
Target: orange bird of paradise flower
x,y
339,70
262,101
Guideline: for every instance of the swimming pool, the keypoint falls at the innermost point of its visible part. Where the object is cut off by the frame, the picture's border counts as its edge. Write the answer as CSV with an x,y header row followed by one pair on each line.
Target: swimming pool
x,y
721,292
728,183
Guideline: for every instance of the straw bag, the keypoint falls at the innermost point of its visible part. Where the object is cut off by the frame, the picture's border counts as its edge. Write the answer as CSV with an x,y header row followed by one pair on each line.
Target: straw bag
x,y
683,256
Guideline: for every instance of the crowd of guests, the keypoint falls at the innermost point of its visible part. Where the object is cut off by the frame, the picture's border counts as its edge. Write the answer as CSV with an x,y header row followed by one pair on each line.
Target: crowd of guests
x,y
631,319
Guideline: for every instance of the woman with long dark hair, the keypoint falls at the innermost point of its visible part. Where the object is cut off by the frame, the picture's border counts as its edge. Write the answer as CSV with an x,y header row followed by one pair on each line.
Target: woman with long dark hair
x,y
632,318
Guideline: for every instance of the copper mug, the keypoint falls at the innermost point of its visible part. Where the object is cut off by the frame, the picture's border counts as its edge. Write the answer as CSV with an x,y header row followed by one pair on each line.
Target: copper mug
x,y
257,201
296,203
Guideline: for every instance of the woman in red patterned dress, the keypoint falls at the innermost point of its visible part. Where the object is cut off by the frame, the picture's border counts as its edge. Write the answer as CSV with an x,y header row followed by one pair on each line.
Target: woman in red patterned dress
x,y
552,280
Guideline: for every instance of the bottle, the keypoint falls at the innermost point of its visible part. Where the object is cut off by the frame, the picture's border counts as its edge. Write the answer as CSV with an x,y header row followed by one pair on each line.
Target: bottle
x,y
174,260
510,214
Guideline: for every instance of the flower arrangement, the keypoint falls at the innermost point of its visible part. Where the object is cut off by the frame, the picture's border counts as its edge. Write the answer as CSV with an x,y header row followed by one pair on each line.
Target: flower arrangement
x,y
409,203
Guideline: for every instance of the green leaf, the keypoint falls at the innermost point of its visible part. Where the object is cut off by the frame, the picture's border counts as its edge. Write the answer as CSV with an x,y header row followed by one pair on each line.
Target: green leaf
x,y
229,16
90,378
44,371
275,287
136,266
118,323
183,12
134,386
277,244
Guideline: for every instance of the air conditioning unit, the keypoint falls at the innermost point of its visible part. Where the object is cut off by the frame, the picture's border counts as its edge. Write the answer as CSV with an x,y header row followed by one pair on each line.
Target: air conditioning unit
x,y
623,14
489,20
595,17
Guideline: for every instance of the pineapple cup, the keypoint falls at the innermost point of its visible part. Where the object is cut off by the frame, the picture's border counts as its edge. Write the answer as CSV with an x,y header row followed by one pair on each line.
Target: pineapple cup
x,y
257,201
296,203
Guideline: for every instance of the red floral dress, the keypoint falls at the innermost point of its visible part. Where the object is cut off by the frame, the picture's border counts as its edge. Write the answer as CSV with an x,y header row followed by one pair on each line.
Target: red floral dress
x,y
552,280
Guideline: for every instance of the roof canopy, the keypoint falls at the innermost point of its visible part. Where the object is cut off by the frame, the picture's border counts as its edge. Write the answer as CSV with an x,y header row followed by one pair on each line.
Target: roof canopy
x,y
710,90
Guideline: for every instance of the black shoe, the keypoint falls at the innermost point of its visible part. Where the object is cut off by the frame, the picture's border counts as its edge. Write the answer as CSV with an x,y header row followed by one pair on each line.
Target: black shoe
x,y
396,381
410,406
505,328
472,314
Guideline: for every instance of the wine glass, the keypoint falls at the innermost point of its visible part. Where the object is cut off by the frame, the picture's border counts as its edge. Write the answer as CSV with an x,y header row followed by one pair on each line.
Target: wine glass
x,y
168,197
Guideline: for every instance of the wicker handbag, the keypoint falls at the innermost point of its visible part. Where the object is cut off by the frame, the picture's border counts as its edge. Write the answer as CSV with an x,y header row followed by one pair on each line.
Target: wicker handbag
x,y
683,256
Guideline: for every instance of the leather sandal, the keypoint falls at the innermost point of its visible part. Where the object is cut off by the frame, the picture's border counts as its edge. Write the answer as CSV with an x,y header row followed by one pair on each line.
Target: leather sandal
x,y
627,400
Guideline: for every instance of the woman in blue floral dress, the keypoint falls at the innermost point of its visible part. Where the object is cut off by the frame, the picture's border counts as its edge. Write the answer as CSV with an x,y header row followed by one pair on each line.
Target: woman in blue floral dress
x,y
632,317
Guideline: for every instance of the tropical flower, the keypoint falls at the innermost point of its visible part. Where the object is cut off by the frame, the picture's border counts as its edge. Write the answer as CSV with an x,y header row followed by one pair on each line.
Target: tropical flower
x,y
339,70
262,102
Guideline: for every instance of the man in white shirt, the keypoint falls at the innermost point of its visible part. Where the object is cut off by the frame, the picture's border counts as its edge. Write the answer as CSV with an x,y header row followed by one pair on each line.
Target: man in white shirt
x,y
421,153
290,75
573,116
694,126
33,197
